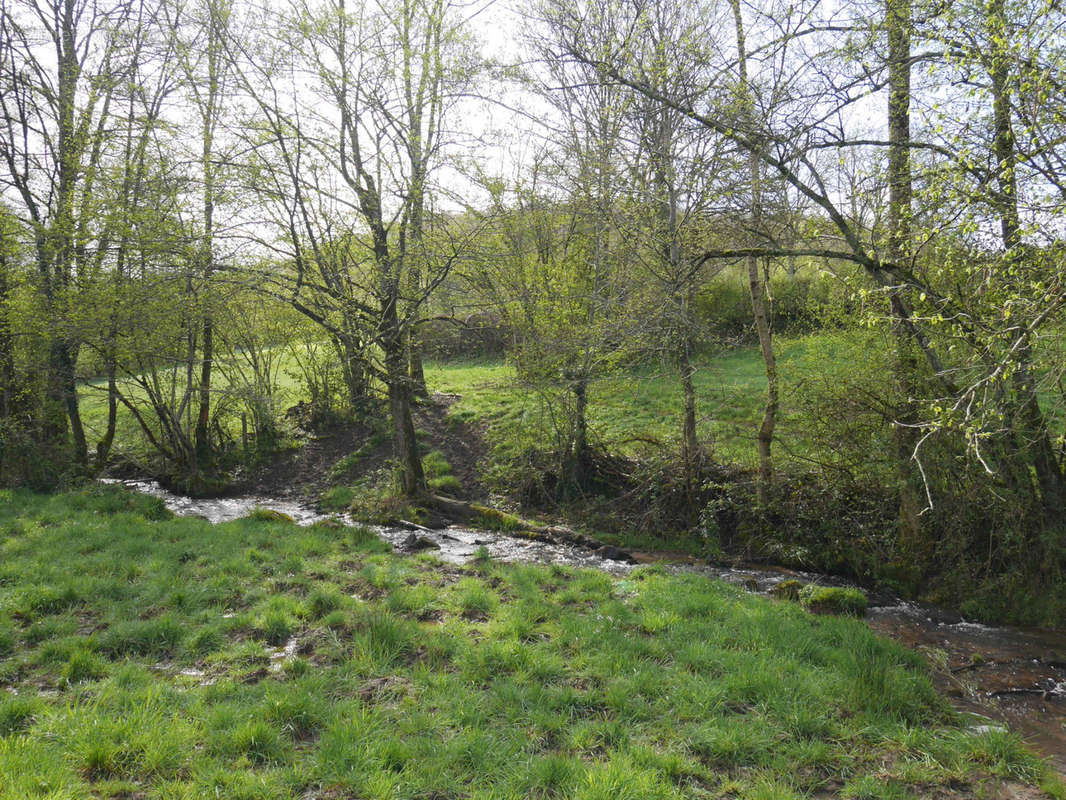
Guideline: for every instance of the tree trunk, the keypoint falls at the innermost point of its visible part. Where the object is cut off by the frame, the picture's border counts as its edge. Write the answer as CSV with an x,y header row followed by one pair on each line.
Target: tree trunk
x,y
576,454
209,113
766,346
412,478
416,372
354,370
755,283
202,436
7,355
898,31
690,446
103,447
1027,418
65,388
61,416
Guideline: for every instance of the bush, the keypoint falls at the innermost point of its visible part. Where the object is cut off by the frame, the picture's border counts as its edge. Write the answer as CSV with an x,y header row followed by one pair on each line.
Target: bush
x,y
840,528
810,300
479,336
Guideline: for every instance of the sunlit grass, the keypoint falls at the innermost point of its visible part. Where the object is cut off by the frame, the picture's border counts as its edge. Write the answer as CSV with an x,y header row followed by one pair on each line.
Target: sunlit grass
x,y
175,659
635,408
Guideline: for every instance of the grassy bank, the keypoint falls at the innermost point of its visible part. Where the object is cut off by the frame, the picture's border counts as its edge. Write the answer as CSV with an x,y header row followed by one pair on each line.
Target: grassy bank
x,y
148,657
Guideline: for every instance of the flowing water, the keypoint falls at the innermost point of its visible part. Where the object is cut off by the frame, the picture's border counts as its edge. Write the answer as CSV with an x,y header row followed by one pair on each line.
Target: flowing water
x,y
1005,675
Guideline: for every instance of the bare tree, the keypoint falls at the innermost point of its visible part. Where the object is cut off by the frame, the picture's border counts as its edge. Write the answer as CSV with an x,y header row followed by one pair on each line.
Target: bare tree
x,y
348,175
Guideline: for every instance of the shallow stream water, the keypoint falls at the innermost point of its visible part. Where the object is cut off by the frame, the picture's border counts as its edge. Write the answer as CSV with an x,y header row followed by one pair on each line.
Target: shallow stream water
x,y
1005,675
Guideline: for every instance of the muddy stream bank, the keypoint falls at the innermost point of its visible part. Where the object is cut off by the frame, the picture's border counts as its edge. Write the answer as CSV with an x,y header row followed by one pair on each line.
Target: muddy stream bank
x,y
1005,675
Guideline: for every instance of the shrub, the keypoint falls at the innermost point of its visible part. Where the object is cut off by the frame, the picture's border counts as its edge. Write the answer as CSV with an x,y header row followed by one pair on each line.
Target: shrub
x,y
807,301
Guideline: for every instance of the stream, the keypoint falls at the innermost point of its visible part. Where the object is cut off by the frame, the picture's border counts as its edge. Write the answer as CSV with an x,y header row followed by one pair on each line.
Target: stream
x,y
1005,675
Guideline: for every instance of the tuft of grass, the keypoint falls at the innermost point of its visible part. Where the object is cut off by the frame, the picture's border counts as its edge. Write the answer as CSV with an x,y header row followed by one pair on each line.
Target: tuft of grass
x,y
205,641
439,475
258,740
161,636
48,600
474,599
269,515
276,627
446,484
17,712
833,600
435,464
323,600
7,640
83,665
337,498
494,519
300,710
788,589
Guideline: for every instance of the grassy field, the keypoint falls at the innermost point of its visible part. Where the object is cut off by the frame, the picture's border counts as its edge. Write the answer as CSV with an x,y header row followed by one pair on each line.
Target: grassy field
x,y
639,409
633,408
154,658
628,409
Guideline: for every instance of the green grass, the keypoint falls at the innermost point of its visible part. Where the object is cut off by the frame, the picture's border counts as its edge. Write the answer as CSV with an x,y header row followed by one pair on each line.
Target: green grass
x,y
628,410
833,599
174,659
